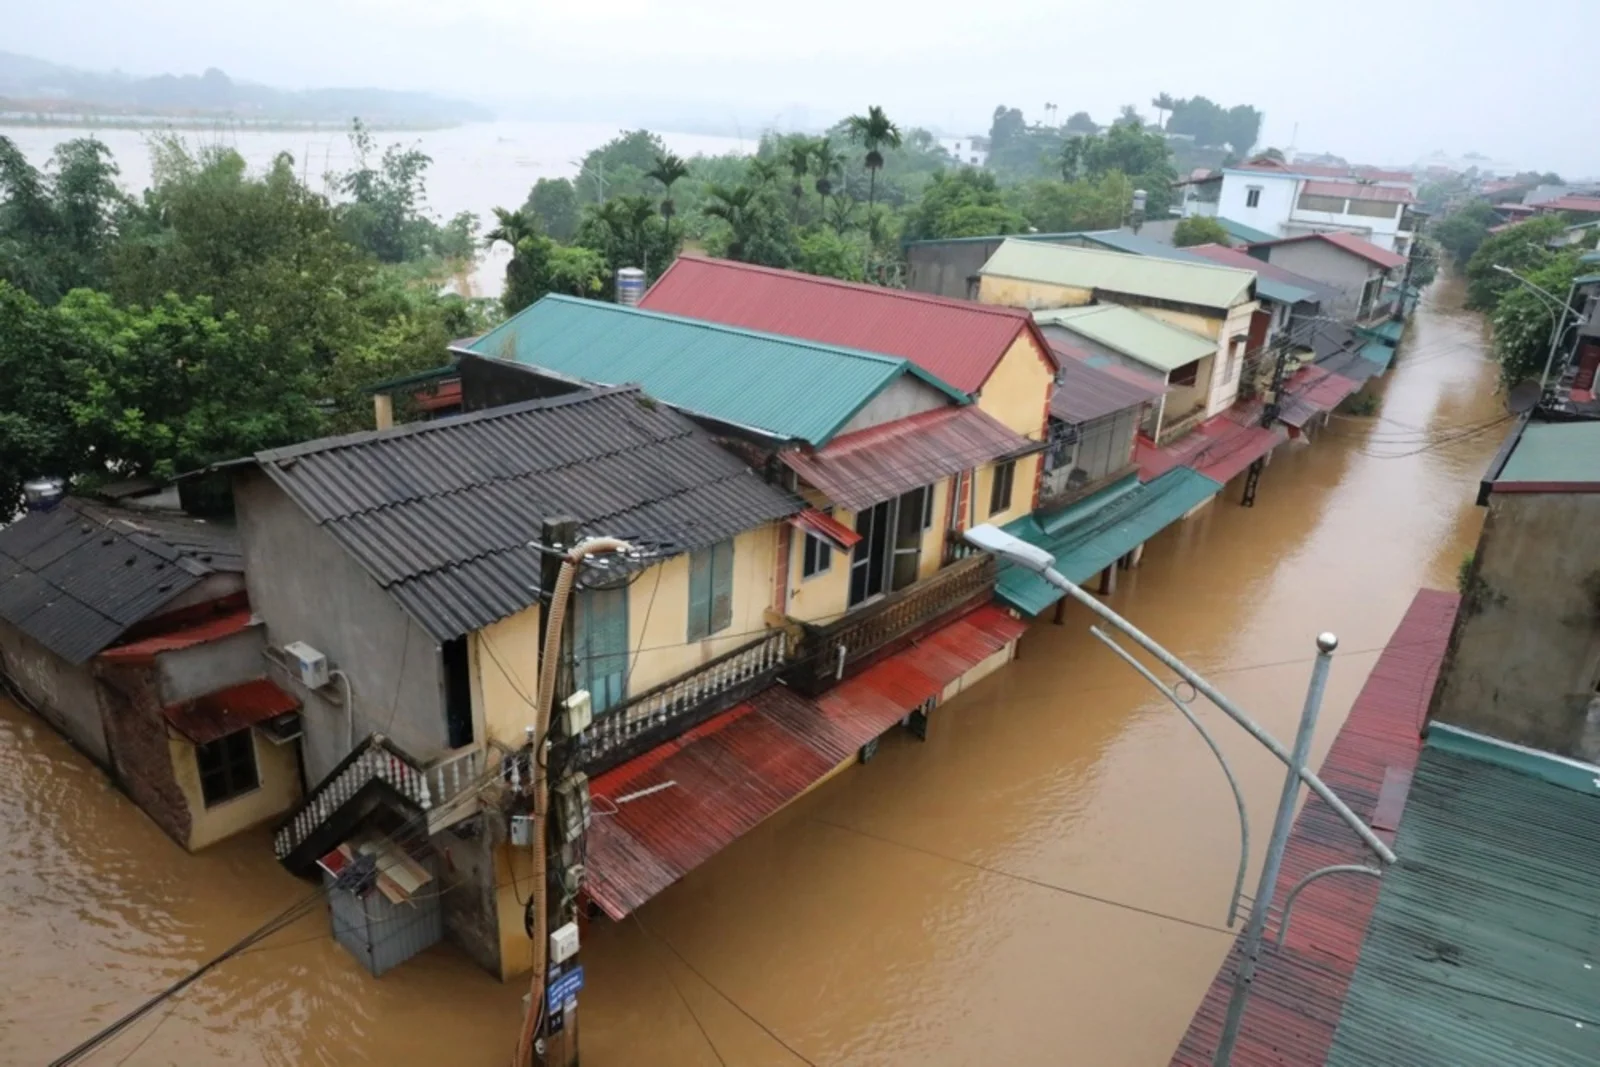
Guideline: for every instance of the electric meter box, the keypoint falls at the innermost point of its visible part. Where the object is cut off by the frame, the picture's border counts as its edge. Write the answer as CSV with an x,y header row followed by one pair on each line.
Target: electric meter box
x,y
579,713
310,665
563,943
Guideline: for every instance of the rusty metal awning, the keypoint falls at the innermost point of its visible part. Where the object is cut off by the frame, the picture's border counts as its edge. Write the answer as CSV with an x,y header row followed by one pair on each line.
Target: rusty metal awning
x,y
1313,391
1220,448
826,527
227,711
858,470
682,802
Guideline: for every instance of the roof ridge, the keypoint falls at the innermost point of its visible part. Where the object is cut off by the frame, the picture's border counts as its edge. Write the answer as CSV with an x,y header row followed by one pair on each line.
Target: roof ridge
x,y
1113,252
954,304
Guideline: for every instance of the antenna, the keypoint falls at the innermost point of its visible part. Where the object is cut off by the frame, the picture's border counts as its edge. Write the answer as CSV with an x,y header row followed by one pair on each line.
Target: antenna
x,y
1524,396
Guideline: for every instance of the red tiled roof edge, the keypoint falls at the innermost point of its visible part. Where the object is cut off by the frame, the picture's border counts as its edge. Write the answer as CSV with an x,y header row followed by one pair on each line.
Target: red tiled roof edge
x,y
1299,990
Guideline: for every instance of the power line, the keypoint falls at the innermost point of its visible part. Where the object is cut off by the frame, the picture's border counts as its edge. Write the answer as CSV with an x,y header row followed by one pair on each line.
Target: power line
x,y
712,1045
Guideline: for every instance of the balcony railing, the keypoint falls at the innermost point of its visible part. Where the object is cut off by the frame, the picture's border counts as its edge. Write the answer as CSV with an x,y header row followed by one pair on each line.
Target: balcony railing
x,y
666,711
1174,428
828,654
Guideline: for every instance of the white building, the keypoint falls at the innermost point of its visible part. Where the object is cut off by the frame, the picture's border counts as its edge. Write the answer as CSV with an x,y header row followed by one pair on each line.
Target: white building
x,y
1289,200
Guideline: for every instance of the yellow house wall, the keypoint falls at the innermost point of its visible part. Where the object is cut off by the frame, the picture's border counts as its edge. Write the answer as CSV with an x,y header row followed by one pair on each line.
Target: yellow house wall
x,y
505,672
1035,296
1021,493
514,879
1204,325
658,611
279,789
1017,391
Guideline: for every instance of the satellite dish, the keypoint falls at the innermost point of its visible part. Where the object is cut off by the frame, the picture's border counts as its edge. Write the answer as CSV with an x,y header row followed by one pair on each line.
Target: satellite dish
x,y
1524,396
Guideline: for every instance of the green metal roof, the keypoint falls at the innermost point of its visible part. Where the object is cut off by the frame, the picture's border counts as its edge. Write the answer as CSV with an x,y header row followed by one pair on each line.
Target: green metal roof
x,y
1590,257
1391,330
786,387
1140,245
1482,949
1136,335
1248,234
1555,452
1201,284
1379,352
1586,279
1094,533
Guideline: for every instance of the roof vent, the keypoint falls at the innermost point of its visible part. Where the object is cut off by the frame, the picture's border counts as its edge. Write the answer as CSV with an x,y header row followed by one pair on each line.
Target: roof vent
x,y
42,494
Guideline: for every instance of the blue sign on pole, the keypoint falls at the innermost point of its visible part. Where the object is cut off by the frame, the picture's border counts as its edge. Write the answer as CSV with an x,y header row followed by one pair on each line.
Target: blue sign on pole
x,y
563,988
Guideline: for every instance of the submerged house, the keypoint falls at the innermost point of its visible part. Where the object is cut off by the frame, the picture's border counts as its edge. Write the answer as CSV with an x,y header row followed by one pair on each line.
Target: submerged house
x,y
129,631
1356,270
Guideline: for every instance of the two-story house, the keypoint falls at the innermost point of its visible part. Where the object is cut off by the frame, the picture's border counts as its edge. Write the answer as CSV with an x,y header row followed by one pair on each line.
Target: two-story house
x,y
1356,270
1287,200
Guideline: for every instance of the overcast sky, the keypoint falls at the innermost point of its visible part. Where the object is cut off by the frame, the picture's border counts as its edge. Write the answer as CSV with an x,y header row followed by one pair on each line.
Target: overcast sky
x,y
1382,82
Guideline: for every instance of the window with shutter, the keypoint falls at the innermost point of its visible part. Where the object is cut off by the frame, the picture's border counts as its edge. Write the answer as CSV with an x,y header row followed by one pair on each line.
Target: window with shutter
x,y
699,593
721,586
710,590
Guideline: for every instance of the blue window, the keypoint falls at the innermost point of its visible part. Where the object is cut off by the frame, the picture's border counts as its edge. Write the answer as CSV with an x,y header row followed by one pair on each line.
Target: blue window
x,y
710,590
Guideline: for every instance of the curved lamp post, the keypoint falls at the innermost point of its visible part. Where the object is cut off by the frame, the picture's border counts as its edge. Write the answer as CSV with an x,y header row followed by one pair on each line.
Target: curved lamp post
x,y
1559,311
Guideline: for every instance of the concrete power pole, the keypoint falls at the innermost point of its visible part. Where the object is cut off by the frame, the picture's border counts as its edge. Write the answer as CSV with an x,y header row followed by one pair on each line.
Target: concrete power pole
x,y
1270,410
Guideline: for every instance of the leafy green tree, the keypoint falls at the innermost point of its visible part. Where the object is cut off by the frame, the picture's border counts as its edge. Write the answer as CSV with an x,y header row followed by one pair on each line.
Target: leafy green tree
x,y
668,170
383,214
1198,230
827,253
539,265
1243,128
966,203
874,132
1163,105
1061,207
628,232
841,214
1523,320
554,203
1081,122
1524,248
620,167
1129,116
756,225
1140,154
39,357
57,228
1461,232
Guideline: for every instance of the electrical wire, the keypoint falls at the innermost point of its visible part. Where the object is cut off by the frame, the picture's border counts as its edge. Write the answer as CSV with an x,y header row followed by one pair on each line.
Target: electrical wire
x,y
712,1045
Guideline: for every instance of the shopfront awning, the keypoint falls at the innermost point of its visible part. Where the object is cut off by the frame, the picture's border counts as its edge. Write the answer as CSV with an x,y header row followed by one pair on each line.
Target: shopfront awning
x,y
1313,391
227,711
682,802
818,524
1220,448
1094,533
1379,353
870,466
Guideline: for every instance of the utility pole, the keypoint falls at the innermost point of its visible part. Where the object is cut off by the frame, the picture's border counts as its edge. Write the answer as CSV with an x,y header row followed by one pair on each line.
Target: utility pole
x,y
1270,410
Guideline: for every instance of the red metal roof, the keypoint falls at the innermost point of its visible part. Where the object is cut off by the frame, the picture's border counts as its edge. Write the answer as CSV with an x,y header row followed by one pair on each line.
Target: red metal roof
x,y
1311,391
958,341
731,772
1233,257
825,526
1219,448
1571,203
863,468
1299,990
214,629
1349,242
1361,191
1085,392
229,710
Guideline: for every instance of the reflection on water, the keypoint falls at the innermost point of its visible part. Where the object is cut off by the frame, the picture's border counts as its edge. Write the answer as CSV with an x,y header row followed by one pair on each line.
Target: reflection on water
x,y
1043,881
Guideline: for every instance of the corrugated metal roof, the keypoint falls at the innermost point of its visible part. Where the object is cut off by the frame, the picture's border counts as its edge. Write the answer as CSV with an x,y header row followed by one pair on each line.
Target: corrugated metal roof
x,y
1348,242
959,341
227,711
821,524
1483,945
789,388
1094,533
1200,284
1245,234
1312,391
441,513
79,576
1294,1007
1572,203
1361,191
1220,448
1379,353
863,468
213,629
1136,335
1553,454
1266,288
1085,392
1272,283
733,771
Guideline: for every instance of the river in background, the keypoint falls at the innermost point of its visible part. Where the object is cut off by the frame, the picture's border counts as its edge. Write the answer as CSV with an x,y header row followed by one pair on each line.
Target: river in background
x,y
1044,881
476,167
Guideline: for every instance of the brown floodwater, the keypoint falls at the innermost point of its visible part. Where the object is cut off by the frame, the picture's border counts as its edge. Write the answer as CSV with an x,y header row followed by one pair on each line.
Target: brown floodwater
x,y
1044,881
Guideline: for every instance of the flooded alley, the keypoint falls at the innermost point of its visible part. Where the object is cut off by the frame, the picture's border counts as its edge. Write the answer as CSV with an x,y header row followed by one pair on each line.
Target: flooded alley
x,y
1044,881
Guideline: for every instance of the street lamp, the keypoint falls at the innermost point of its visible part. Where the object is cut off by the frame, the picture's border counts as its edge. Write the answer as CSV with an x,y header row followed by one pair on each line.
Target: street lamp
x,y
1558,325
1032,558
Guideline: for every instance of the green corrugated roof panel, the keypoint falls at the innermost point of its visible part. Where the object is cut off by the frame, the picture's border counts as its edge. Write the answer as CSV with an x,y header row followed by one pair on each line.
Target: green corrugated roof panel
x,y
1248,234
1558,452
1098,530
790,388
1378,352
1140,245
1136,335
1201,284
1589,257
1391,331
1484,947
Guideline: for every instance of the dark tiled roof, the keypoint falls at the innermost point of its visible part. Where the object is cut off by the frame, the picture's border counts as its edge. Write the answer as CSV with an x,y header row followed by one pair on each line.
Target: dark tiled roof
x,y
441,513
77,577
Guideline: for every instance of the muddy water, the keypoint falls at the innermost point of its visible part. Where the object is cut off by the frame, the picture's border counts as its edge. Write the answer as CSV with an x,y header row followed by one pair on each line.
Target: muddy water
x,y
1043,881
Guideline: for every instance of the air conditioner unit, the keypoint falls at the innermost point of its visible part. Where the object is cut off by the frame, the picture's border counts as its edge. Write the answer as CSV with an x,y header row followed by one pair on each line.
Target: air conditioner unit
x,y
310,665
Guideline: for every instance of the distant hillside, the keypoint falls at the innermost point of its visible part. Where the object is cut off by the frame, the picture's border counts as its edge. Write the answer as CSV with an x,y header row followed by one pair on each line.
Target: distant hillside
x,y
33,85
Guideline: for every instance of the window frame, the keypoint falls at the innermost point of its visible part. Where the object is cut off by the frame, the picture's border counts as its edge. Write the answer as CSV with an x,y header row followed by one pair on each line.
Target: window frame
x,y
1003,474
228,767
1252,196
820,559
710,567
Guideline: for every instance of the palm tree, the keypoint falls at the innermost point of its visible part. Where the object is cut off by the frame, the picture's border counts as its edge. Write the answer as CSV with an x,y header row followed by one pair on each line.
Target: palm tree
x,y
669,169
874,132
827,164
841,213
512,227
797,156
733,206
1164,105
762,172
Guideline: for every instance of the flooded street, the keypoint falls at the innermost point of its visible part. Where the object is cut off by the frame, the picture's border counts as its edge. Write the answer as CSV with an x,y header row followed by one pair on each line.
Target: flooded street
x,y
1044,881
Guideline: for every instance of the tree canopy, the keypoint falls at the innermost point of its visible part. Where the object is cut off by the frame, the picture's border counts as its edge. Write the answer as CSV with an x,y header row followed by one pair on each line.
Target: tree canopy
x,y
1199,230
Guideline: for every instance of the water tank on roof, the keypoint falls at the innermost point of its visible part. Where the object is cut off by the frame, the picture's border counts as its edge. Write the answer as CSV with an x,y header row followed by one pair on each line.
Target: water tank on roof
x,y
42,494
630,286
